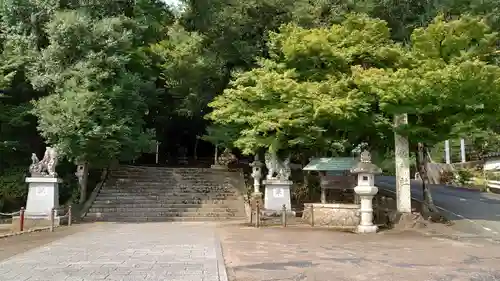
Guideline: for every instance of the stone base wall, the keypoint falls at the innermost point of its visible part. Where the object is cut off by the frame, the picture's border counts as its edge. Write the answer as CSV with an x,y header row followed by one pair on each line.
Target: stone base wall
x,y
35,222
332,215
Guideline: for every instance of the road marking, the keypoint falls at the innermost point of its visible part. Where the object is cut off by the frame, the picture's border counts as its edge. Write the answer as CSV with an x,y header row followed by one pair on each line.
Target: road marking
x,y
463,199
489,229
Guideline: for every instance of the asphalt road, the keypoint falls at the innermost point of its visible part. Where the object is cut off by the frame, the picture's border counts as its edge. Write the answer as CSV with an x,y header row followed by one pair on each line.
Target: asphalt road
x,y
472,212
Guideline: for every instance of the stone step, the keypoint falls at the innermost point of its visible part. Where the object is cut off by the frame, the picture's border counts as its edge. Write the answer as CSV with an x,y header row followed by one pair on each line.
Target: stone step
x,y
135,169
142,194
165,184
200,187
196,189
171,173
161,219
133,213
170,179
167,201
164,194
106,209
165,198
170,189
235,205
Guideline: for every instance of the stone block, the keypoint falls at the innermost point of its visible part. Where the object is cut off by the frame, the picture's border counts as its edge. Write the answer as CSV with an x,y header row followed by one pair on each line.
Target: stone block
x,y
277,194
43,195
31,222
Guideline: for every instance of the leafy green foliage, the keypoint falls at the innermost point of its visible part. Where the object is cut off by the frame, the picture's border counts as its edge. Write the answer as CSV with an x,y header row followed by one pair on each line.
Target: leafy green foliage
x,y
305,96
340,85
447,88
221,136
190,74
96,110
11,188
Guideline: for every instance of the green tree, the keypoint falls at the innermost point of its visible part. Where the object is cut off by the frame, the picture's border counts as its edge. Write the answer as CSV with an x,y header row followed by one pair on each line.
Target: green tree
x,y
188,72
95,112
451,87
344,84
305,96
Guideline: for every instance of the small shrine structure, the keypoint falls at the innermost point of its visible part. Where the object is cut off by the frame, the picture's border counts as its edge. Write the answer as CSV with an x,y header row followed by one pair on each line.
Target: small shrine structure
x,y
345,173
335,176
335,209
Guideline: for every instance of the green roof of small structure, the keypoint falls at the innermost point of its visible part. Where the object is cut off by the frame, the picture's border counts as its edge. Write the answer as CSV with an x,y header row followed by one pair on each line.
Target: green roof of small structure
x,y
331,164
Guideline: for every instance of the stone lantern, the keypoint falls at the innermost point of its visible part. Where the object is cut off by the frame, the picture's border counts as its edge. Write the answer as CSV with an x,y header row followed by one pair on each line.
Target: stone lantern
x,y
366,189
256,175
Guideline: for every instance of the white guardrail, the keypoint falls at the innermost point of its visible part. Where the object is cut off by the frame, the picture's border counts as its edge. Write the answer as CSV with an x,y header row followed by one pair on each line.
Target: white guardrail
x,y
491,183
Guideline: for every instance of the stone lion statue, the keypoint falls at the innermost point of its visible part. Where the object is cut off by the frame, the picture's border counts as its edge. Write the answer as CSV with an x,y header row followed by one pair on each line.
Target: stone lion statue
x,y
277,169
226,158
46,166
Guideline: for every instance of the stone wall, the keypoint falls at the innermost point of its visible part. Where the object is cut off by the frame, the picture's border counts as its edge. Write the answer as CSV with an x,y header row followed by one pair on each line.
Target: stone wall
x,y
332,215
30,223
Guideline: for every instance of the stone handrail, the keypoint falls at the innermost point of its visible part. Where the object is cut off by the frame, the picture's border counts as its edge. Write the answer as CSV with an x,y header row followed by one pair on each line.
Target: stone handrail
x,y
84,208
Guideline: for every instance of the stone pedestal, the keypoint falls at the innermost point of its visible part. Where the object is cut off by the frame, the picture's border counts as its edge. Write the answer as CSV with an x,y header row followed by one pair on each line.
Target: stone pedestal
x,y
277,194
43,195
366,193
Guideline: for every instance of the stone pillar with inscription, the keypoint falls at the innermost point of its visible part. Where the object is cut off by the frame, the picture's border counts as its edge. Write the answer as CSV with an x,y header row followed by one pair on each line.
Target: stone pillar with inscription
x,y
402,153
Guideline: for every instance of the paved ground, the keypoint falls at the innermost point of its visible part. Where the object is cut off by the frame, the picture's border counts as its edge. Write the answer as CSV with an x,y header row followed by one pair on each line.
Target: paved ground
x,y
278,254
18,244
472,212
5,228
155,251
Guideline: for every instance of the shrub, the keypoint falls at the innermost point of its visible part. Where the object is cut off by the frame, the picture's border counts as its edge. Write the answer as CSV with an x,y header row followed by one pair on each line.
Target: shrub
x,y
463,177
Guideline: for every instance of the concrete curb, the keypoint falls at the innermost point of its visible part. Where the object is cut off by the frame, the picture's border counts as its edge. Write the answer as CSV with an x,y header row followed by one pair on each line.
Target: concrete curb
x,y
38,229
221,264
463,188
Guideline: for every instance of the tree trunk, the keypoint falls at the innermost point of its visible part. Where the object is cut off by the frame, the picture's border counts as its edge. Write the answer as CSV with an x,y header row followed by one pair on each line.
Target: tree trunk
x,y
429,209
83,176
216,154
305,179
196,148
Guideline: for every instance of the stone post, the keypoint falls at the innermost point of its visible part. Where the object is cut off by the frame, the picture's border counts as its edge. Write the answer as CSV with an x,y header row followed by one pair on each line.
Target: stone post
x,y
366,189
323,183
462,151
402,151
447,154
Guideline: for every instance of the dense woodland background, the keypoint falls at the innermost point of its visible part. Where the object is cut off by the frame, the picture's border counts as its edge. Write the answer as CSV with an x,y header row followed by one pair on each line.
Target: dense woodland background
x,y
101,80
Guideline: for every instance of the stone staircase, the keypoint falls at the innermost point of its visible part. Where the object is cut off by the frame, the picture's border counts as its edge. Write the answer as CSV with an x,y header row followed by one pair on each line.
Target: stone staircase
x,y
148,194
